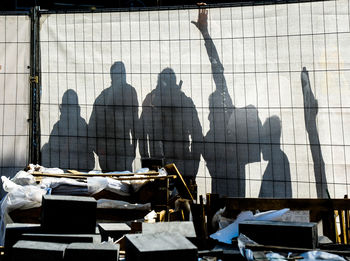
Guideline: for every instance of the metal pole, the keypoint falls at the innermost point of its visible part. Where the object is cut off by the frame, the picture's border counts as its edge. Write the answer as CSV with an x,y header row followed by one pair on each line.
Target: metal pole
x,y
34,135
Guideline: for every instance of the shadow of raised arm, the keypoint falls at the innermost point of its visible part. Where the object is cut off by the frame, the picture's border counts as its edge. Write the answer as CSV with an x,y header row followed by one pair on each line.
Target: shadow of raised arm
x,y
216,65
310,114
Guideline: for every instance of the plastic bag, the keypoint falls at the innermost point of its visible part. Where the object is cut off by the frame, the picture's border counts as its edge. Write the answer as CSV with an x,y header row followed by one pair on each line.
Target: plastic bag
x,y
18,197
151,217
118,187
320,255
39,168
22,197
231,231
119,204
245,252
23,178
97,184
55,182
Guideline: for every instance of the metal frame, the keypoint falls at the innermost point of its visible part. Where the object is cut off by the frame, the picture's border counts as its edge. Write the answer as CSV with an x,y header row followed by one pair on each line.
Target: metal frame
x,y
35,86
180,7
35,63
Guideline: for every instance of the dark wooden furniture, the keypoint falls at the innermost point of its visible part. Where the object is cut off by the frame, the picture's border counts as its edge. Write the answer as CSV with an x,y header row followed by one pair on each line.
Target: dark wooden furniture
x,y
320,210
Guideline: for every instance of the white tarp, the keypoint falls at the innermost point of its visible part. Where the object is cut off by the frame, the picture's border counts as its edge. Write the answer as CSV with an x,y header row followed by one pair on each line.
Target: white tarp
x,y
258,106
14,93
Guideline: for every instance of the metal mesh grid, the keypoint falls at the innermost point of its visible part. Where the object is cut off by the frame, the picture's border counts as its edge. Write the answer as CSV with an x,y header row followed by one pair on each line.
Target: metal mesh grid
x,y
14,92
257,107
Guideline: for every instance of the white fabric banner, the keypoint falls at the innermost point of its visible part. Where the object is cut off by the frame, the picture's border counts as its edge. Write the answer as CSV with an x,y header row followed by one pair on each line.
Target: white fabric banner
x,y
250,100
14,93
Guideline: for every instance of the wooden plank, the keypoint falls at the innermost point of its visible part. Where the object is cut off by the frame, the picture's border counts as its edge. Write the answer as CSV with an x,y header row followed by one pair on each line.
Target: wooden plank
x,y
39,177
342,227
172,169
79,174
148,178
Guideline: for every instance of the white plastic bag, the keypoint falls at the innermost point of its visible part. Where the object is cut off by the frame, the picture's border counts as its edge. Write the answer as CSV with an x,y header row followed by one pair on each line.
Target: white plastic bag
x,y
97,184
225,235
119,204
23,178
151,217
39,168
55,182
18,197
320,255
22,197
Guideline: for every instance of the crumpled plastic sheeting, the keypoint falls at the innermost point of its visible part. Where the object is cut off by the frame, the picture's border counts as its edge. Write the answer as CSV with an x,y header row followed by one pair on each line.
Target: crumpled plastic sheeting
x,y
40,168
245,252
275,257
55,182
307,256
23,178
320,255
97,184
249,255
225,235
22,197
151,217
17,197
219,220
119,204
23,193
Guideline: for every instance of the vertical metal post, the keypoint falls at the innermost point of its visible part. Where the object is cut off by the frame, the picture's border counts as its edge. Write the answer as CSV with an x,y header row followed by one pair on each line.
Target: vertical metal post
x,y
34,121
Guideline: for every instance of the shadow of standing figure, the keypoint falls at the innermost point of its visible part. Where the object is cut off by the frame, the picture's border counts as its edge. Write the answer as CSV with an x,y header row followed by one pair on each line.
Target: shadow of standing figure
x,y
276,181
170,126
310,114
233,138
67,147
113,123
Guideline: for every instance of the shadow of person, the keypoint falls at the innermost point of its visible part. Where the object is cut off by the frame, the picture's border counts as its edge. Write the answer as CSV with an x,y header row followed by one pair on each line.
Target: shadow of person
x,y
233,138
67,147
310,114
170,126
276,182
113,123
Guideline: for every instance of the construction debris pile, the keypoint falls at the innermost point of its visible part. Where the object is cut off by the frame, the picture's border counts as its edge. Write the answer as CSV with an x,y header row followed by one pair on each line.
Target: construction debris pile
x,y
49,214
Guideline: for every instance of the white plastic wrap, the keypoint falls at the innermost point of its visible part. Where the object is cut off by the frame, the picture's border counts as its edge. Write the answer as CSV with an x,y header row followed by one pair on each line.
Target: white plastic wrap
x,y
225,235
22,197
18,197
320,256
23,178
118,187
151,217
119,204
39,168
97,184
55,182
275,257
245,252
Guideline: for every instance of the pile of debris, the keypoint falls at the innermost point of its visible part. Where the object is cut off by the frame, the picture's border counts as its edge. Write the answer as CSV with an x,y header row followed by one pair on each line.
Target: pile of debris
x,y
68,231
66,216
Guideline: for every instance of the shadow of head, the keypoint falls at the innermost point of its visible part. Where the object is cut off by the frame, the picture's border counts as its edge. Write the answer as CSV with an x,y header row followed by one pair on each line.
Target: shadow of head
x,y
167,80
271,131
70,102
118,74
